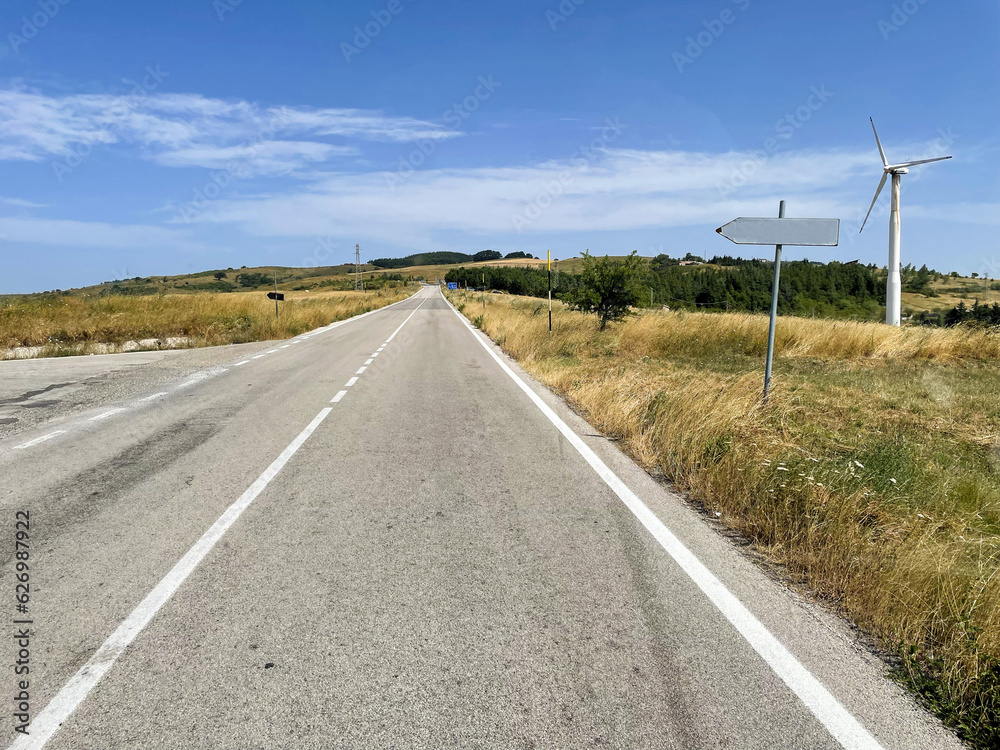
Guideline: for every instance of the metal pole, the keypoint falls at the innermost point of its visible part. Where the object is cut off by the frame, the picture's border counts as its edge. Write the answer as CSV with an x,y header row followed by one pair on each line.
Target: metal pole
x,y
893,295
275,295
774,311
549,255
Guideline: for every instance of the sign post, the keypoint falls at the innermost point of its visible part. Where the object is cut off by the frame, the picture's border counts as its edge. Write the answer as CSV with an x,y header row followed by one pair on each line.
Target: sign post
x,y
774,311
780,232
548,254
275,295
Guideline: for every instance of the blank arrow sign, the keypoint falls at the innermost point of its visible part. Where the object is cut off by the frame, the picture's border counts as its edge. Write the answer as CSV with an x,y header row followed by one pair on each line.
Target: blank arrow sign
x,y
763,231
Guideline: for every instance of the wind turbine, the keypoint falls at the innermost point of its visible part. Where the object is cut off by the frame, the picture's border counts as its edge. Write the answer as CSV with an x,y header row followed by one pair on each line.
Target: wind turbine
x,y
894,286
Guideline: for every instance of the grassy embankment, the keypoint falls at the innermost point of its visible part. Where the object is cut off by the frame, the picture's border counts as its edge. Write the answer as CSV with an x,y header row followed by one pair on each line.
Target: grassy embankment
x,y
873,478
64,324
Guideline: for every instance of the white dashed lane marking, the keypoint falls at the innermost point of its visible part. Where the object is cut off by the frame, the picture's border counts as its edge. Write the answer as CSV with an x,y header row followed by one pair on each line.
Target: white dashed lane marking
x,y
105,415
42,439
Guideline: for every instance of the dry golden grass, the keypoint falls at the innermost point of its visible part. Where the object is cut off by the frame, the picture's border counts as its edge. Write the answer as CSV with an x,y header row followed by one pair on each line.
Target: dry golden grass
x,y
69,324
872,478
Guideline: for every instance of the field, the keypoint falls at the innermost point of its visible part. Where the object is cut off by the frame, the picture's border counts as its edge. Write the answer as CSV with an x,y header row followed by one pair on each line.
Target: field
x,y
873,479
951,291
75,324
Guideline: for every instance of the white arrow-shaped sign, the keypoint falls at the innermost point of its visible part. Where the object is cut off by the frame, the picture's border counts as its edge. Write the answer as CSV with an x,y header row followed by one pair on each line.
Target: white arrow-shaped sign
x,y
761,231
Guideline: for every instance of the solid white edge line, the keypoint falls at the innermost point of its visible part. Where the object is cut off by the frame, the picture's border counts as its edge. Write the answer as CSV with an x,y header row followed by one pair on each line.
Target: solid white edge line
x,y
42,439
75,691
340,395
846,729
350,382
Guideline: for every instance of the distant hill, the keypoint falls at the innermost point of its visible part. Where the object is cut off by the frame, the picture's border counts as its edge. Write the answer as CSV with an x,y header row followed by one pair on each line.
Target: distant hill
x,y
423,259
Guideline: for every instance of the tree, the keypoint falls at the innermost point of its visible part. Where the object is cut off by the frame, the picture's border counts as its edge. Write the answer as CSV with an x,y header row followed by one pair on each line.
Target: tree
x,y
487,255
608,288
220,275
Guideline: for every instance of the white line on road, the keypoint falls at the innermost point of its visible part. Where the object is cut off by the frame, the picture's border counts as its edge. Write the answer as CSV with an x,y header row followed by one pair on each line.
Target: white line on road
x,y
42,439
257,357
369,361
351,382
360,370
75,691
847,730
105,415
285,346
154,396
340,395
404,322
240,364
272,351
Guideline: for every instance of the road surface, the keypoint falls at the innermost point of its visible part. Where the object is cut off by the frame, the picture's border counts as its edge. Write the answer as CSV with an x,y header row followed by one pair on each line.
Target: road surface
x,y
385,535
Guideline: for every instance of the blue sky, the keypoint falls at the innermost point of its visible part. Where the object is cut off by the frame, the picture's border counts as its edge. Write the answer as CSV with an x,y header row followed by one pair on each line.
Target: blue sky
x,y
172,136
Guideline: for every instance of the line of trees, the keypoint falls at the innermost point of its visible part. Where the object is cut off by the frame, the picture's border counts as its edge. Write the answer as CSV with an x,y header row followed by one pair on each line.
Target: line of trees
x,y
830,290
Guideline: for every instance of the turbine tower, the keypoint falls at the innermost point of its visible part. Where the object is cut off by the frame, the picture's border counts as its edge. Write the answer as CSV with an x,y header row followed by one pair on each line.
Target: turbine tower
x,y
894,286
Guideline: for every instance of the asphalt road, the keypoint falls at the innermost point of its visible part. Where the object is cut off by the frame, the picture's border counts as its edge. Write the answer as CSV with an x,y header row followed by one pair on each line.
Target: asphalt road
x,y
293,551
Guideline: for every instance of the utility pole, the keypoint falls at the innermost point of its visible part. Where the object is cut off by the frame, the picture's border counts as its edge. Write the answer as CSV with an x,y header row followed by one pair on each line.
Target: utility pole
x,y
357,268
484,291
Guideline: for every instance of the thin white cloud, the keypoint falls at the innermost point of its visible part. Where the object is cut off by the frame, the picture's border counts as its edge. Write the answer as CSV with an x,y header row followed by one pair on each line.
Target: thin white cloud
x,y
20,203
613,190
964,213
193,130
94,234
266,158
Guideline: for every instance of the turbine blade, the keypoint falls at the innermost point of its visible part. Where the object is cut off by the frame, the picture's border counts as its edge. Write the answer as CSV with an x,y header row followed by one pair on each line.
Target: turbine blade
x,y
879,143
921,161
885,176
